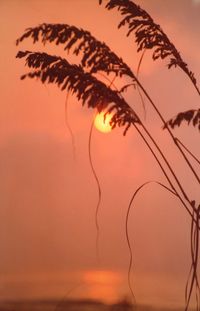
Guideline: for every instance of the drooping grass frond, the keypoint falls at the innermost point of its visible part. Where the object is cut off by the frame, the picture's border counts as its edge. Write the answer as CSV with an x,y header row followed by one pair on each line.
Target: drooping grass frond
x,y
190,116
148,34
98,187
126,226
96,55
87,88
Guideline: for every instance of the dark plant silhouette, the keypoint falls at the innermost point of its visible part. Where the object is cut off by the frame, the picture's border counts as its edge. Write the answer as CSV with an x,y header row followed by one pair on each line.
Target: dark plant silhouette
x,y
148,34
190,116
91,91
87,82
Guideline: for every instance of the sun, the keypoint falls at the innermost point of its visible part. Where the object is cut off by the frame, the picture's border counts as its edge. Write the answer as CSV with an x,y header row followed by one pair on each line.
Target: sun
x,y
103,124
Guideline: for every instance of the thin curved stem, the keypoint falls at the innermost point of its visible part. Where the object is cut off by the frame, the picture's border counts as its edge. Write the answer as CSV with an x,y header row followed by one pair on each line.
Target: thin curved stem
x,y
127,233
66,296
138,89
168,129
98,187
195,256
168,165
96,179
163,170
162,154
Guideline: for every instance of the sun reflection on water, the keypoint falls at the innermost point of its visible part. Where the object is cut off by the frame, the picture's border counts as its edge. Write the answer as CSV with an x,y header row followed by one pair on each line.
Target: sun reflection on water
x,y
102,284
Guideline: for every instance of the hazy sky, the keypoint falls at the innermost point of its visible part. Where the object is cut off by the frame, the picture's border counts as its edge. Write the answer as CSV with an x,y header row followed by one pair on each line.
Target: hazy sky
x,y
48,199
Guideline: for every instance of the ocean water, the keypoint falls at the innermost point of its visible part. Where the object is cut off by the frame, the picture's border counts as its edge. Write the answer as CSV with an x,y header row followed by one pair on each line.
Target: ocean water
x,y
88,290
53,305
74,305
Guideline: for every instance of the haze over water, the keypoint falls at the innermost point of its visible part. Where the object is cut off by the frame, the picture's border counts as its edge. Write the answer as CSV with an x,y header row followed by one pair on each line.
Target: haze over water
x,y
106,286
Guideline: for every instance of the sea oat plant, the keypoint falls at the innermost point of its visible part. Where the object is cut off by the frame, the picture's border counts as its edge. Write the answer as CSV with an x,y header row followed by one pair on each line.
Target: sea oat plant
x,y
86,83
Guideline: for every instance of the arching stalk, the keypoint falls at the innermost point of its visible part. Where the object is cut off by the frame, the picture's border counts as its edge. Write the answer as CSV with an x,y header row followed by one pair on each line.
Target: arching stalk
x,y
164,172
98,187
126,226
168,129
159,150
168,165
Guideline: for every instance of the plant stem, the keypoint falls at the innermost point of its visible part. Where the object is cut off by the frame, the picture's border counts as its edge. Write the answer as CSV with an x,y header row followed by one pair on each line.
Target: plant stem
x,y
168,129
192,154
163,170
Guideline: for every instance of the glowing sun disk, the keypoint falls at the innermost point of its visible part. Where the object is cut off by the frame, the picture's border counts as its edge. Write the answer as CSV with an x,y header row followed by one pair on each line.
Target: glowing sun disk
x,y
103,124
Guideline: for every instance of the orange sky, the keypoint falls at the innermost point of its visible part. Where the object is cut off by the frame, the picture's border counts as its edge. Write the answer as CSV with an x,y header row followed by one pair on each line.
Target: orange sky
x,y
48,199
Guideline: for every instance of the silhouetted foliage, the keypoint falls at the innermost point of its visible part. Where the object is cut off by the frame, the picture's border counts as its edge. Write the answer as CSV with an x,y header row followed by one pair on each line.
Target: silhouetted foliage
x,y
96,59
190,116
96,94
96,55
148,34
